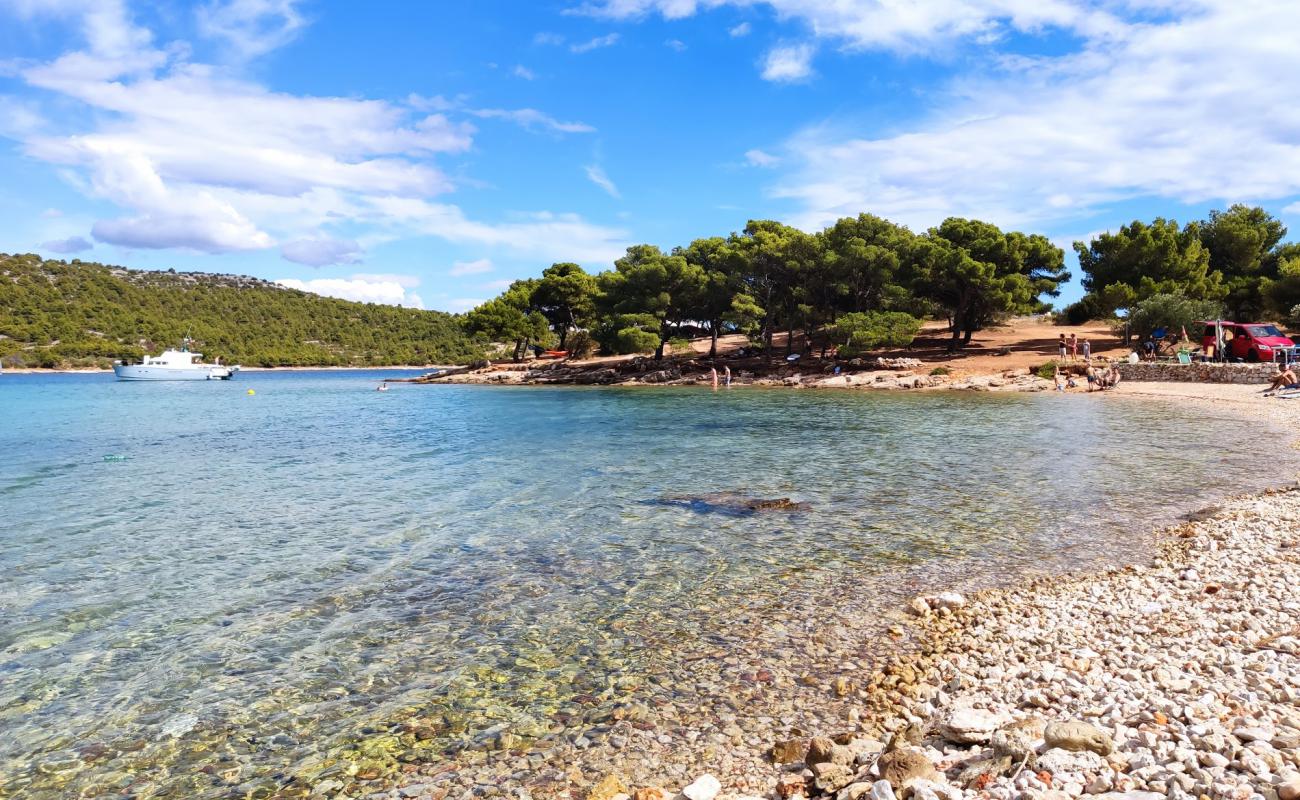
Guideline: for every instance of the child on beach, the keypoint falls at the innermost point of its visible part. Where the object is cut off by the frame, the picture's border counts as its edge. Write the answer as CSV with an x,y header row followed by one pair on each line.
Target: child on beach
x,y
1087,350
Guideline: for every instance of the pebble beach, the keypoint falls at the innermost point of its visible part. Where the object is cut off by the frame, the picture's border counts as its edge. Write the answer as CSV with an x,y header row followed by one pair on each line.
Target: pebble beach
x,y
1178,678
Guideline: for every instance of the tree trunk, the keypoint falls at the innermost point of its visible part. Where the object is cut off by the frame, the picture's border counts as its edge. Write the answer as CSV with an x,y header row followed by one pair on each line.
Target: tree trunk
x,y
564,335
713,345
659,351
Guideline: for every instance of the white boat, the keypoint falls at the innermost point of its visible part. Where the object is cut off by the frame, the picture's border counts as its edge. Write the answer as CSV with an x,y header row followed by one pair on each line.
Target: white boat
x,y
175,365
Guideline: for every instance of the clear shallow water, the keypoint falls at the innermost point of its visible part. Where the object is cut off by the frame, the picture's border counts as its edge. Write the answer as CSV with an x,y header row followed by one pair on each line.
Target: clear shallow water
x,y
267,587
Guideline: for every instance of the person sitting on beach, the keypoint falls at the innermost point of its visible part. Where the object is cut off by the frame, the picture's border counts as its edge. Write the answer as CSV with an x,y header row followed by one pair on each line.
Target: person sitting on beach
x,y
1112,377
1057,378
1149,349
1284,378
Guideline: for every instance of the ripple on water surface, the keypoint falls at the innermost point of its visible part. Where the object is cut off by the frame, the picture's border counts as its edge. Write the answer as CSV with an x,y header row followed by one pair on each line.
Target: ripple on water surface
x,y
322,580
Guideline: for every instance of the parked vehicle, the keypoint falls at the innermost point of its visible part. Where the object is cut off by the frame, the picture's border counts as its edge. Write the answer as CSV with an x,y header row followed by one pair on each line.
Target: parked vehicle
x,y
1249,341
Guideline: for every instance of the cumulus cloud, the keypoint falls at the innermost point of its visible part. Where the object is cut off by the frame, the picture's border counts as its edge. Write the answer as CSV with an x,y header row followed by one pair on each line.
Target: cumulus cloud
x,y
608,40
72,244
740,30
476,267
362,288
321,252
758,158
675,44
597,175
520,71
788,63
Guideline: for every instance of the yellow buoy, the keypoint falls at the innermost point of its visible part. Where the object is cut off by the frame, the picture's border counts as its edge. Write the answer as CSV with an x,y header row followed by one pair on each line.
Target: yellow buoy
x,y
250,391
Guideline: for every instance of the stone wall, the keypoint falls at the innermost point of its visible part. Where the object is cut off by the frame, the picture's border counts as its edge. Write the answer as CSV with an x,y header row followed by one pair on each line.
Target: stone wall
x,y
1197,372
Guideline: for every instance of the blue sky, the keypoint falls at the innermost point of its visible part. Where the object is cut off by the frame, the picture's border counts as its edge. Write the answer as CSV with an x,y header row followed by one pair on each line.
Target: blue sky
x,y
428,153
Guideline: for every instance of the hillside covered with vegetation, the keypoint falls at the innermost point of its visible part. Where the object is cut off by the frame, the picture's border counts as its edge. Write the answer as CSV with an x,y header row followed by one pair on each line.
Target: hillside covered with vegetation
x,y
57,313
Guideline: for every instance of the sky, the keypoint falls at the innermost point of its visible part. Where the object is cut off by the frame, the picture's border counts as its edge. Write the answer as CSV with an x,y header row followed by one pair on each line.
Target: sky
x,y
426,154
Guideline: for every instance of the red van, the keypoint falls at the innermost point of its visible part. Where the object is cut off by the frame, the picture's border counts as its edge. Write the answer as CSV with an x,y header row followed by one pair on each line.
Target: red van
x,y
1251,341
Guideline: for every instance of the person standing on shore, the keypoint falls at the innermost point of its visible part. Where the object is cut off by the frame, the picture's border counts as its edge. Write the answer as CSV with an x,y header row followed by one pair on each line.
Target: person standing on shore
x,y
1061,345
1087,351
727,376
1074,347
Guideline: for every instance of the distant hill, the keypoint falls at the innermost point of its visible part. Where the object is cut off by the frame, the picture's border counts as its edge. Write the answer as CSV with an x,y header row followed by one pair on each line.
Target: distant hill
x,y
59,313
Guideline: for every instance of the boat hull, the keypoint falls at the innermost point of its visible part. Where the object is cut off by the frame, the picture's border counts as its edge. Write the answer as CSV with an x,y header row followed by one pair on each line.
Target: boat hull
x,y
141,372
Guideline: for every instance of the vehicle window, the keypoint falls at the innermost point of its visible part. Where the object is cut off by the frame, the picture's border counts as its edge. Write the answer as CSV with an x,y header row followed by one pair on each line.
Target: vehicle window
x,y
1263,330
1209,330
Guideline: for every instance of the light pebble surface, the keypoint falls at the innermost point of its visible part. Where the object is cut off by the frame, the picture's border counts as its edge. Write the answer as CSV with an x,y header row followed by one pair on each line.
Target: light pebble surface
x,y
1179,678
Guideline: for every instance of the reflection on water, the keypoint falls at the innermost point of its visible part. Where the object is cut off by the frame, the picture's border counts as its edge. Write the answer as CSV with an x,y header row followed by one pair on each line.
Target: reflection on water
x,y
324,580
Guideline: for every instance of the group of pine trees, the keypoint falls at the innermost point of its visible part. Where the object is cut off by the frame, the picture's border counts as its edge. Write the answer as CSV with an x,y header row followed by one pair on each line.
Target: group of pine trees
x,y
861,282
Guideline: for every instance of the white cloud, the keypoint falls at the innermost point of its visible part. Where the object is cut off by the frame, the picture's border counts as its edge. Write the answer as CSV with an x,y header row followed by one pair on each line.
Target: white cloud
x,y
914,26
542,234
546,38
477,267
675,44
1188,109
361,288
740,30
250,27
199,157
532,118
520,71
788,63
405,281
608,40
72,244
597,175
758,158
321,252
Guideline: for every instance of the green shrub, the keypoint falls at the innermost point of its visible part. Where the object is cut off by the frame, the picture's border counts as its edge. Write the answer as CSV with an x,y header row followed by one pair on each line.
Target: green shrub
x,y
635,340
940,371
1047,371
860,332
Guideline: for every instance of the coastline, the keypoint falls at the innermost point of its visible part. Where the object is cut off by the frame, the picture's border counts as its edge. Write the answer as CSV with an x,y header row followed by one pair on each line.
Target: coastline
x,y
402,367
1188,664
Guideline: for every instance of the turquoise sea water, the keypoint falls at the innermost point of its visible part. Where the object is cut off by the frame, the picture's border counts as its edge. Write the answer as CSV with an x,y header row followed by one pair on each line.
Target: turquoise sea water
x,y
254,588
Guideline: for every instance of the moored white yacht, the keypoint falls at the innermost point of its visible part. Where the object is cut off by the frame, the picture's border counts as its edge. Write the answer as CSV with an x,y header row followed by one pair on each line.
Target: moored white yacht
x,y
175,365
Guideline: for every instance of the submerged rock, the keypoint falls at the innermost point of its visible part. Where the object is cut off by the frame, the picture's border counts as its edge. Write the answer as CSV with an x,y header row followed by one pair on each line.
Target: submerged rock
x,y
731,503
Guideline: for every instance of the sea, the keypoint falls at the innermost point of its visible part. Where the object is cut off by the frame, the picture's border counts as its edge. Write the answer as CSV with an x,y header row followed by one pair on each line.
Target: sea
x,y
219,589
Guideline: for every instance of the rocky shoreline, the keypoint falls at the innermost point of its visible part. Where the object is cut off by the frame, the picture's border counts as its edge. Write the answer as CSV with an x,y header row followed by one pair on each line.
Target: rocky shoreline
x,y
1177,679
872,374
